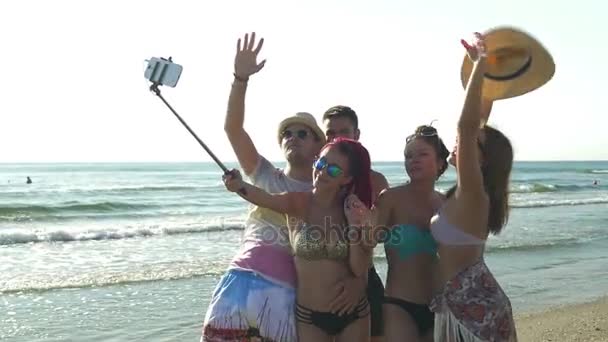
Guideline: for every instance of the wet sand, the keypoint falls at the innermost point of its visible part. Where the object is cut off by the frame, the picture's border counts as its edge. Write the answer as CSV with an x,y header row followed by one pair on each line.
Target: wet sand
x,y
580,322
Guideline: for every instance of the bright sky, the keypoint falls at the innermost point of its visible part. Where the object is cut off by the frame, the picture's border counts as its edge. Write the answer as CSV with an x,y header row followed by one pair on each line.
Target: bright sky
x,y
73,88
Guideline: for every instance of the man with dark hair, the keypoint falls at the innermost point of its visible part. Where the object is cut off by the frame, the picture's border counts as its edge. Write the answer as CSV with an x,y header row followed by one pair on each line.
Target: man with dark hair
x,y
342,121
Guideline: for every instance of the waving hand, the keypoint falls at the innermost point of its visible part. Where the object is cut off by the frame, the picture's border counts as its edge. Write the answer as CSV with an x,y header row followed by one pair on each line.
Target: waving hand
x,y
245,62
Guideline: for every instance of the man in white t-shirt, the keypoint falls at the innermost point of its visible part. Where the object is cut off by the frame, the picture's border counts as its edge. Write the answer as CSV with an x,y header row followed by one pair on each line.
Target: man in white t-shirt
x,y
256,297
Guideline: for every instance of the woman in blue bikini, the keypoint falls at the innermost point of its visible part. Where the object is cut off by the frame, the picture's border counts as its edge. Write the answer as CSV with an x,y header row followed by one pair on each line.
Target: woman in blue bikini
x,y
410,248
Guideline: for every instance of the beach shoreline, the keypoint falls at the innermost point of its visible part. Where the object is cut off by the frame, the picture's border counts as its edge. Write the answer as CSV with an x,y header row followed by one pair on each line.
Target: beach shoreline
x,y
586,321
186,301
114,252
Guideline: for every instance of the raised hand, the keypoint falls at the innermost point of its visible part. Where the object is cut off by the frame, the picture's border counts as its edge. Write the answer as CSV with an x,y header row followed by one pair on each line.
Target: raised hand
x,y
477,50
245,62
233,180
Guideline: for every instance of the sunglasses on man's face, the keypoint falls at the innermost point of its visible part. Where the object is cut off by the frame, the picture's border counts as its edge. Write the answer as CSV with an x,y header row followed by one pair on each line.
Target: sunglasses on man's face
x,y
333,170
301,133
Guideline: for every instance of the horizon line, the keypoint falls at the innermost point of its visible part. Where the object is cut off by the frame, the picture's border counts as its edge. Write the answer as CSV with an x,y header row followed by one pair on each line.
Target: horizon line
x,y
272,161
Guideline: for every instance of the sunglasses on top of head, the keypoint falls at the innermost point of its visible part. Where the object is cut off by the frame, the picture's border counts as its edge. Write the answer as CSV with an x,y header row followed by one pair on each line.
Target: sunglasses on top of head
x,y
333,170
426,131
301,133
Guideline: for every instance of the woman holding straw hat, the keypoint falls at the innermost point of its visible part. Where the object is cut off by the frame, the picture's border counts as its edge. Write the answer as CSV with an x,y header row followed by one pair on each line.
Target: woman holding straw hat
x,y
471,305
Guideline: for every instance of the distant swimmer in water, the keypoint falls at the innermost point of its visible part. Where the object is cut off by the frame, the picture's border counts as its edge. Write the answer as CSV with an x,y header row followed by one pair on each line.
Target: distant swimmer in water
x,y
595,182
29,180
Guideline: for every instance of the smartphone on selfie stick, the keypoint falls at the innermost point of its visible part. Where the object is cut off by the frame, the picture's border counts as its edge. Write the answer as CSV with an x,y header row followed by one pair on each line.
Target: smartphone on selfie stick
x,y
161,71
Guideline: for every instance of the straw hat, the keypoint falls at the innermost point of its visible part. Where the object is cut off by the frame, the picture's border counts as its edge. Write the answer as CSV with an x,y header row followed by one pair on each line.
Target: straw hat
x,y
517,64
305,119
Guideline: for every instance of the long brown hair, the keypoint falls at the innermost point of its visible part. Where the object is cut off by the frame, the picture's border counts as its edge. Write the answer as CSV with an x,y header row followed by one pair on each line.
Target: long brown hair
x,y
497,154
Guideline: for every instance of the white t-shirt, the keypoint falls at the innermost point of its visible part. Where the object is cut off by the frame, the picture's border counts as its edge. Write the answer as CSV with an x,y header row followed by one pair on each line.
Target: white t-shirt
x,y
265,247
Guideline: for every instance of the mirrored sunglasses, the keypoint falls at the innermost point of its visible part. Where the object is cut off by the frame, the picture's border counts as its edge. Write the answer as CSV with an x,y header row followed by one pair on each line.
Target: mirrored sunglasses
x,y
333,170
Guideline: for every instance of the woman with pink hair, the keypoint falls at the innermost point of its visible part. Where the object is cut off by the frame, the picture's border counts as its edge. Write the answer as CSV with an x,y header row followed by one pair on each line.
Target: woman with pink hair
x,y
323,227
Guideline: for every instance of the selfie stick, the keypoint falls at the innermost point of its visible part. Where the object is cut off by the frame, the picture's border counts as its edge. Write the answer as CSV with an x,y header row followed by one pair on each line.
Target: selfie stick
x,y
154,88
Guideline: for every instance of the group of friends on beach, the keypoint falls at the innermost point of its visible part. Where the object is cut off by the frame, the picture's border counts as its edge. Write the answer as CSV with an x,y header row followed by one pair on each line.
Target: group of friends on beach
x,y
304,270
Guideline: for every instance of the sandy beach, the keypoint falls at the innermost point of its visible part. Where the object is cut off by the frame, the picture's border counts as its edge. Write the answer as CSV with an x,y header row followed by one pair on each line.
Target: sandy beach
x,y
581,322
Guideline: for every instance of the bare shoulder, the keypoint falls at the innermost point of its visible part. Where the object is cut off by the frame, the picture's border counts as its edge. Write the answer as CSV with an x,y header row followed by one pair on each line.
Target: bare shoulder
x,y
379,182
376,174
405,191
378,177
397,202
392,194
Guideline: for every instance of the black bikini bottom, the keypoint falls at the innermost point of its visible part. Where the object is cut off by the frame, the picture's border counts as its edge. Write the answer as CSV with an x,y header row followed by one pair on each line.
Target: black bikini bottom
x,y
422,315
333,324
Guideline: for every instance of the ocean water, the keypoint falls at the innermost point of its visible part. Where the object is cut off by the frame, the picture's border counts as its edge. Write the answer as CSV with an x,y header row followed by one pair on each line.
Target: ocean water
x,y
131,252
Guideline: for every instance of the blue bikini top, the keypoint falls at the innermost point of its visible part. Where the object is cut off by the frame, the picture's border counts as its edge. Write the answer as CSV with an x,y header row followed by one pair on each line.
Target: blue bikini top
x,y
410,240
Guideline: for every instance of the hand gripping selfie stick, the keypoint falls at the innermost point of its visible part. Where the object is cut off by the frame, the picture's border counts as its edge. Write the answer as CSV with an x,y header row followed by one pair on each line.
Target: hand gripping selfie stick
x,y
165,72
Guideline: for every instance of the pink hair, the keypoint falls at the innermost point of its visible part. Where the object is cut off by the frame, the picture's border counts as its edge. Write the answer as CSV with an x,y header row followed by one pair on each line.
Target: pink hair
x,y
359,167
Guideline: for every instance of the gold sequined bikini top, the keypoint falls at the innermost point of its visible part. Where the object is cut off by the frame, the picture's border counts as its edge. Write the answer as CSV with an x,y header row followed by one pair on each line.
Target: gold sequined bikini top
x,y
309,243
